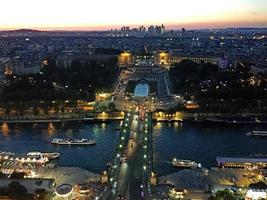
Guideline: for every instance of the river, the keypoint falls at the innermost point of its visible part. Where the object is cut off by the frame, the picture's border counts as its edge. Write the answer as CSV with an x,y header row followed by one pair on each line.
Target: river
x,y
199,142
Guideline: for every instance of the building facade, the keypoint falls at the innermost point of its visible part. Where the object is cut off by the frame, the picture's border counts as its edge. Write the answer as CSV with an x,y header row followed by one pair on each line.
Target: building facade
x,y
197,59
125,59
162,59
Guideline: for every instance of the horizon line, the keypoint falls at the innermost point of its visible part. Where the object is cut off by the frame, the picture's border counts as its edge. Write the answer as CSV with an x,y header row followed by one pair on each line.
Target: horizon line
x,y
168,26
86,29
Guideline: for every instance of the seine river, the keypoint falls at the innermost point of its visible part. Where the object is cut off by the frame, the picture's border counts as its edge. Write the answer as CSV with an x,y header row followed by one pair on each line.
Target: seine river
x,y
199,142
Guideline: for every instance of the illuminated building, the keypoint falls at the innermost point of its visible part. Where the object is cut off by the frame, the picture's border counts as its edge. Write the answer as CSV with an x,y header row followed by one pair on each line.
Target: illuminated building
x,y
102,96
197,59
125,59
162,59
190,105
85,106
165,59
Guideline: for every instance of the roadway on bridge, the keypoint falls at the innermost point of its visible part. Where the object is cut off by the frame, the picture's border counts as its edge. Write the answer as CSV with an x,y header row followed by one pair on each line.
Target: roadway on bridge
x,y
130,177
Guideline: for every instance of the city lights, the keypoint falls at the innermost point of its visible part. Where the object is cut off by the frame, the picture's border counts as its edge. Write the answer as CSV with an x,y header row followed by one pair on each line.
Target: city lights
x,y
155,100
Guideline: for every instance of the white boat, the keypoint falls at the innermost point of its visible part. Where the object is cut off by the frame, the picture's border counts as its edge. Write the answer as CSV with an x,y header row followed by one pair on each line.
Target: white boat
x,y
67,141
49,155
185,163
257,133
6,153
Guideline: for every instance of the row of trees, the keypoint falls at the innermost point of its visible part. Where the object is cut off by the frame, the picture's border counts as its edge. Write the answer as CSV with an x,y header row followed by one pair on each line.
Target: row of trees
x,y
218,90
186,75
80,81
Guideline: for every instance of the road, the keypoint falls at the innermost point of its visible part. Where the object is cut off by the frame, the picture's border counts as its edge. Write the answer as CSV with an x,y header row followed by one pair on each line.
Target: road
x,y
130,176
136,163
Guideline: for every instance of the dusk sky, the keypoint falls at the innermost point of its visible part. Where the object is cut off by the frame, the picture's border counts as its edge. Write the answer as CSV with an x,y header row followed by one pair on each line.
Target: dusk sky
x,y
106,14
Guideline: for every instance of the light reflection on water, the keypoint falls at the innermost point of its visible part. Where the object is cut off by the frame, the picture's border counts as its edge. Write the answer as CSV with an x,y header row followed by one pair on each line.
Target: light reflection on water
x,y
93,158
103,125
199,142
202,143
51,130
5,129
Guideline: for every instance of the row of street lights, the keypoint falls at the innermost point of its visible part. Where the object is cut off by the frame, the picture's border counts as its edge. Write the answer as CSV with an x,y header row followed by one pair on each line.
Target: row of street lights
x,y
122,142
147,153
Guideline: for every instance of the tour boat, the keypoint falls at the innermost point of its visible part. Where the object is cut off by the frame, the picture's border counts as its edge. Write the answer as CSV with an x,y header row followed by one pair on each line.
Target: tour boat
x,y
257,133
67,141
185,163
49,155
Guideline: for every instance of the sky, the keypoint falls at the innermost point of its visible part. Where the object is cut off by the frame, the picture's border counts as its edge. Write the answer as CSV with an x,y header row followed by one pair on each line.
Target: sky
x,y
107,14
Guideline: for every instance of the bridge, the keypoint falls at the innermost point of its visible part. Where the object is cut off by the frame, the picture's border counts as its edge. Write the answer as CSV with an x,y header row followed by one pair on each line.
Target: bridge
x,y
132,164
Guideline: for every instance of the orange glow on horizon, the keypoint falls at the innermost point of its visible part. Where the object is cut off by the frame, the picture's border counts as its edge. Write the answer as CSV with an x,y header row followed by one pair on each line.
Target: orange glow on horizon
x,y
107,14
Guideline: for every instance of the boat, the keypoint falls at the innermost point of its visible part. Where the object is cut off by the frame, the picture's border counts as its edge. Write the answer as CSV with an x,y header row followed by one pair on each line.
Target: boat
x,y
67,141
49,155
242,162
185,163
6,153
257,133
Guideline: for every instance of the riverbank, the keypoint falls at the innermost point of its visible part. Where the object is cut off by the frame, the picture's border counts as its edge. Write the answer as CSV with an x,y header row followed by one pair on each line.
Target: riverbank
x,y
73,117
227,118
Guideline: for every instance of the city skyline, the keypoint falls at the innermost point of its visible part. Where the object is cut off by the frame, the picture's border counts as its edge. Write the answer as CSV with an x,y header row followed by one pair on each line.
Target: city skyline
x,y
104,15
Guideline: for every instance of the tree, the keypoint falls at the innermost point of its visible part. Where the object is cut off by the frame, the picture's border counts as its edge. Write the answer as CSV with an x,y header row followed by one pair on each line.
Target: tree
x,y
17,175
111,106
16,190
223,195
